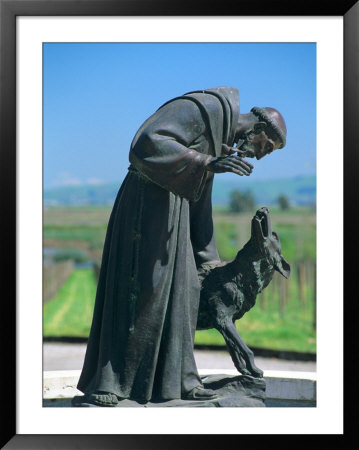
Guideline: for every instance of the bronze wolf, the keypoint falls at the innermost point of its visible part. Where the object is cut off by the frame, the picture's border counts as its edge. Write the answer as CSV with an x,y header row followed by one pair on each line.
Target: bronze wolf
x,y
229,290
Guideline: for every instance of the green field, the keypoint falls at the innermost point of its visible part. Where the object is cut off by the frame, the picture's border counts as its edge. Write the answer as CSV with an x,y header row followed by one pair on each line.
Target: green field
x,y
85,227
282,319
270,325
70,312
296,228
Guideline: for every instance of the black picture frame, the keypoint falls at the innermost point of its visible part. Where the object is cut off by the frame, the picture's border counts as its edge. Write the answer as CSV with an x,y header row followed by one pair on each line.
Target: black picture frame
x,y
9,10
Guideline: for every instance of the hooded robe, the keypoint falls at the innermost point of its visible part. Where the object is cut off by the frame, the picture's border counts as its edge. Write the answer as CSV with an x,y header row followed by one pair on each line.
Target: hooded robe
x,y
160,231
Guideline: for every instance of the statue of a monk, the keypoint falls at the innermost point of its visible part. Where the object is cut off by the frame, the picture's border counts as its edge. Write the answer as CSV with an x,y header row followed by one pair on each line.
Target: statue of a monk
x,y
160,232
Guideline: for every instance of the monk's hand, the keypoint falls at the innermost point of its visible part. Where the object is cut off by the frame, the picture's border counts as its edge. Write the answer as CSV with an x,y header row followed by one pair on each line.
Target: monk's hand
x,y
226,150
232,163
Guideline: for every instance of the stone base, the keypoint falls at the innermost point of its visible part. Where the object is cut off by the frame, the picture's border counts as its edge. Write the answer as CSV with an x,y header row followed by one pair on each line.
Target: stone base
x,y
233,391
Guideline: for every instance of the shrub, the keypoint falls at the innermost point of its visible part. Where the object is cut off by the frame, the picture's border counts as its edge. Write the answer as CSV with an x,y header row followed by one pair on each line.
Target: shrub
x,y
241,202
283,202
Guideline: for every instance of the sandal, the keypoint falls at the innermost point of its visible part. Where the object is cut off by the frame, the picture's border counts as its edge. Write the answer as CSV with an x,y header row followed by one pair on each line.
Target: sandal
x,y
103,399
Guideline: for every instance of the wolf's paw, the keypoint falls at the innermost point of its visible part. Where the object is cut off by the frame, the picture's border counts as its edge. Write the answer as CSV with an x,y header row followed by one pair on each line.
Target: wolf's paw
x,y
255,372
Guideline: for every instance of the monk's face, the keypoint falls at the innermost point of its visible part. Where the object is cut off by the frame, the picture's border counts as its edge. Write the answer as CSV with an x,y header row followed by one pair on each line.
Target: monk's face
x,y
259,143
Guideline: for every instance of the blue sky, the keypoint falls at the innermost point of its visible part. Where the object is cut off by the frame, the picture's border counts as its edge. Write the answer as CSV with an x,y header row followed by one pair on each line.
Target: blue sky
x,y
97,95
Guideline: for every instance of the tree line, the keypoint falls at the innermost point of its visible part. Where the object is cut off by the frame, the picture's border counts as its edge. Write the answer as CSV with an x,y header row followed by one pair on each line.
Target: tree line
x,y
240,202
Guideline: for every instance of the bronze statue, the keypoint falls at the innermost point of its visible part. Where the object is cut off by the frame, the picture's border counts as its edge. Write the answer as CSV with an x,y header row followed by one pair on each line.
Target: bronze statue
x,y
159,235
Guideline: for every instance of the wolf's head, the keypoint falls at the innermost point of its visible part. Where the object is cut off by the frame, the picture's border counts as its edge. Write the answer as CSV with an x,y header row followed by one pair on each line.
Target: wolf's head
x,y
264,246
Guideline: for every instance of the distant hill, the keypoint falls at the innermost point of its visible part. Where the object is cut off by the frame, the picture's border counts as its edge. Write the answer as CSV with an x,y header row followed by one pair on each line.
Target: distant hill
x,y
300,190
88,194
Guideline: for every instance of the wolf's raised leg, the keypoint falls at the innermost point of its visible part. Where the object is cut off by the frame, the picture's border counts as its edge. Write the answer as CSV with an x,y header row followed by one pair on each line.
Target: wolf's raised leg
x,y
242,355
237,359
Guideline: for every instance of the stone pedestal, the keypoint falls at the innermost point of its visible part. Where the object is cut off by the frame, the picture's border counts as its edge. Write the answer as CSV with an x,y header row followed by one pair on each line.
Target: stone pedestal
x,y
233,391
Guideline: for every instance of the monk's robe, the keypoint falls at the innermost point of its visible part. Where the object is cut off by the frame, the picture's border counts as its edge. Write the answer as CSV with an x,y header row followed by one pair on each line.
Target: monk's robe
x,y
160,231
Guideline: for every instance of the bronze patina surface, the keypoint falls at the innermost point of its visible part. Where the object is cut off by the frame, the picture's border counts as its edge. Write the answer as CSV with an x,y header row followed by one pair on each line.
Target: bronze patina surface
x,y
159,238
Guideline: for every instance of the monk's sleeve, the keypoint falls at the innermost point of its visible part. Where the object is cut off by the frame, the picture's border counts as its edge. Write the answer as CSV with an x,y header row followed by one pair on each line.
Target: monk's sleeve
x,y
163,149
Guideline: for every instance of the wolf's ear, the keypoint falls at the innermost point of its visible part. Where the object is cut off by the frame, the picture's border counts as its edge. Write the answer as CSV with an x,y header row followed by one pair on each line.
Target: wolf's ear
x,y
283,267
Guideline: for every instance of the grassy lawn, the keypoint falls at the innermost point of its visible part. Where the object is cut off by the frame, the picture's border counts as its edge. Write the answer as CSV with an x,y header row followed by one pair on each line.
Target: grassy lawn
x,y
70,314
